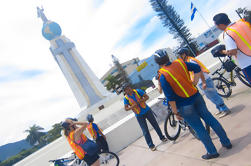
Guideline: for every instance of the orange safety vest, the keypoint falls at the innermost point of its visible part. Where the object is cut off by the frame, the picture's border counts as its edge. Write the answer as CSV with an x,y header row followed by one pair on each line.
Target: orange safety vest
x,y
177,76
240,32
202,66
92,131
79,151
132,102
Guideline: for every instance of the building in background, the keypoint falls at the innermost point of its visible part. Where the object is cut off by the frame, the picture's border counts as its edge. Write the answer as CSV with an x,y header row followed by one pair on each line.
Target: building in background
x,y
208,39
147,68
128,66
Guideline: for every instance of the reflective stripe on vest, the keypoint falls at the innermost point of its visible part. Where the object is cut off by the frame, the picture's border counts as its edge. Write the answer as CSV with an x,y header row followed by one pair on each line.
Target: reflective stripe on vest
x,y
131,101
187,89
92,131
241,33
75,147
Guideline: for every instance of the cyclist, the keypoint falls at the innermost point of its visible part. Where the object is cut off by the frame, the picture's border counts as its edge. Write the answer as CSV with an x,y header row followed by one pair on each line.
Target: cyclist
x,y
135,100
237,38
97,134
209,90
77,140
187,102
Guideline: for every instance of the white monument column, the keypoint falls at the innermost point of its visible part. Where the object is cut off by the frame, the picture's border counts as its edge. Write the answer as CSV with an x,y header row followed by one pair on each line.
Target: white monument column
x,y
85,85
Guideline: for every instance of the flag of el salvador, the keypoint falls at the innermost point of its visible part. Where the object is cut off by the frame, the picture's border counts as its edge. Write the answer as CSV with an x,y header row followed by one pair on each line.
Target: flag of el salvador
x,y
193,11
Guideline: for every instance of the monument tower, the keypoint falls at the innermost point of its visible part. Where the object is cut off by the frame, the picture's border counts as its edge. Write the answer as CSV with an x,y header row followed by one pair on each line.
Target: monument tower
x,y
84,84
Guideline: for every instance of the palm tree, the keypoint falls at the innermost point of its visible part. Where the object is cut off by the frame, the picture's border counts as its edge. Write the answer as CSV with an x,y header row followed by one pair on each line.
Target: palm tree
x,y
34,134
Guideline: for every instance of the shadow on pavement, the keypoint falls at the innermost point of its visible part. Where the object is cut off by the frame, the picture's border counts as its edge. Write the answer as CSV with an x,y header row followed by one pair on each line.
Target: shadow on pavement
x,y
236,109
239,144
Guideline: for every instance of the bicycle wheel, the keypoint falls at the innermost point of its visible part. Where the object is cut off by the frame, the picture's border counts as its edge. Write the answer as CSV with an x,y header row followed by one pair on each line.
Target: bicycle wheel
x,y
241,76
171,127
223,88
109,159
194,133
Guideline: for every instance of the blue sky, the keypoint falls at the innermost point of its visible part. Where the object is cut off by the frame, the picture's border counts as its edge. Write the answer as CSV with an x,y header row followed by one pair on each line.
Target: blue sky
x,y
33,87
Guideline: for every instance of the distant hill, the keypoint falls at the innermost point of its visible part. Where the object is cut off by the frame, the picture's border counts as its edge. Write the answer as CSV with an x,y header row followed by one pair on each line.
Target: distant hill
x,y
12,149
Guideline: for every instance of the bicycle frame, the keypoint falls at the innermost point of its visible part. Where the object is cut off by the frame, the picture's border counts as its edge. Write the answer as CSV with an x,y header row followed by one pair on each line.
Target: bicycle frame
x,y
221,74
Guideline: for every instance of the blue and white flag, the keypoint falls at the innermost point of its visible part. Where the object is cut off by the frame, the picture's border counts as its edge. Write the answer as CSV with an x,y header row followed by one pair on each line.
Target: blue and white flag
x,y
193,11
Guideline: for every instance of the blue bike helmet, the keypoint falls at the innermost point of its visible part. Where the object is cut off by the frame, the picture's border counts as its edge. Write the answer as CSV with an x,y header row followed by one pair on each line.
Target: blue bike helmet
x,y
89,118
183,51
161,57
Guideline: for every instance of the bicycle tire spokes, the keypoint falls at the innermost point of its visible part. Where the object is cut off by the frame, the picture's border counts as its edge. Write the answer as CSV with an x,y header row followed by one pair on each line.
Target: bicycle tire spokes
x,y
108,159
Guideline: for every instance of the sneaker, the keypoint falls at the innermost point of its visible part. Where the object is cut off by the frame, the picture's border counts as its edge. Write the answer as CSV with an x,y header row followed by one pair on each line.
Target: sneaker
x,y
164,139
228,146
153,148
210,156
218,113
223,114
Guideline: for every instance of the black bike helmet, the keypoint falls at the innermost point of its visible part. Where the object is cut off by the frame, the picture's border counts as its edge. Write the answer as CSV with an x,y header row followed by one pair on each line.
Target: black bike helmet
x,y
183,51
124,86
89,118
161,57
65,125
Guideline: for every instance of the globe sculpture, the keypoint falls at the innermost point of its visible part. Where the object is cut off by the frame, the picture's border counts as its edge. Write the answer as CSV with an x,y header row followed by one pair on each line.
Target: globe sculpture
x,y
51,30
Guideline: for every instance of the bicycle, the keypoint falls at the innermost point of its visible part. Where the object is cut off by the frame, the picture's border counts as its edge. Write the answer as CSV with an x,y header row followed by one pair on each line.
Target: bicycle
x,y
105,158
222,84
176,124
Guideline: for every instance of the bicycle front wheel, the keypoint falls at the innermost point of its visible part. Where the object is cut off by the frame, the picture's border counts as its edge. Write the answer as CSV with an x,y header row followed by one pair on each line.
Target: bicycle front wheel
x,y
241,77
223,88
171,127
108,159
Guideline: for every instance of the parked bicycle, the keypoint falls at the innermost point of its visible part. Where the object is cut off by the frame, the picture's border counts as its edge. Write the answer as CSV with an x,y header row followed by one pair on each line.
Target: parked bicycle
x,y
222,84
105,158
173,126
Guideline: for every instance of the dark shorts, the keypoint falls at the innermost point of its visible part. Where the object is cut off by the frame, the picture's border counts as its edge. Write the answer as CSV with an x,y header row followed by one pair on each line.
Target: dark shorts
x,y
91,159
102,144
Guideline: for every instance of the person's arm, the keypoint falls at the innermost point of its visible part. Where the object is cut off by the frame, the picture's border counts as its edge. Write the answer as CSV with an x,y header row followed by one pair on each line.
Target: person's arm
x,y
144,98
78,132
175,110
130,107
197,71
230,52
231,47
159,87
202,77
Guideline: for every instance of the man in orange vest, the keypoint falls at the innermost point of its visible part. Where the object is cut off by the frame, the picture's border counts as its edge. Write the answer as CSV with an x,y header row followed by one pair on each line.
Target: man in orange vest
x,y
237,38
186,101
208,89
135,100
97,134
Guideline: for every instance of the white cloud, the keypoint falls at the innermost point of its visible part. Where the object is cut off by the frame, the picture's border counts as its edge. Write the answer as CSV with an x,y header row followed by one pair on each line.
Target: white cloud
x,y
47,98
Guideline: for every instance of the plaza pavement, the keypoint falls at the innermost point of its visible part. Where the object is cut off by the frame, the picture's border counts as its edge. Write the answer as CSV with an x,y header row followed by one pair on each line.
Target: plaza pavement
x,y
187,151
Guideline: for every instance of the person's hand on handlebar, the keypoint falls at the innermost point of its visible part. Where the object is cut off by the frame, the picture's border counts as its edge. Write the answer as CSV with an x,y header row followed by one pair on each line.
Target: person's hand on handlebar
x,y
178,116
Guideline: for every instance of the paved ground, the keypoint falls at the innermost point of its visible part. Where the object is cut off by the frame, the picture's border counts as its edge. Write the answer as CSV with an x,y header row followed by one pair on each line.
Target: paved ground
x,y
187,151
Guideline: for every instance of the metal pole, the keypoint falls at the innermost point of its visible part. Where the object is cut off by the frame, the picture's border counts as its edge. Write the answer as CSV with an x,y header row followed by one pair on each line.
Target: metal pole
x,y
238,14
205,22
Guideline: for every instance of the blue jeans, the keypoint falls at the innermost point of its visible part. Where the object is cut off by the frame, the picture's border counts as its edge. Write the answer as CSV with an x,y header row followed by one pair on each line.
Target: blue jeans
x,y
213,96
143,125
192,114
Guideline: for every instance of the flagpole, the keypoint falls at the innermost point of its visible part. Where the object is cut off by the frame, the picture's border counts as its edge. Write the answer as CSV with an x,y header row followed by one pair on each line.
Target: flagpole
x,y
204,19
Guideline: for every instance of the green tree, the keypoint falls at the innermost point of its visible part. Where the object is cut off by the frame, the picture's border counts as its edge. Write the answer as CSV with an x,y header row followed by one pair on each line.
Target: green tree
x,y
52,134
244,13
113,82
176,26
34,134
